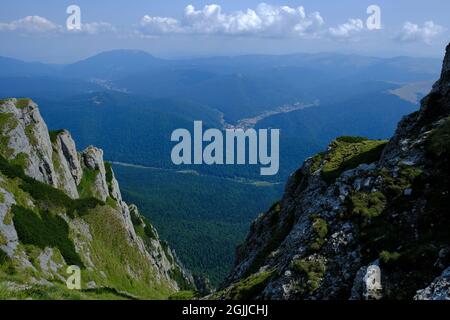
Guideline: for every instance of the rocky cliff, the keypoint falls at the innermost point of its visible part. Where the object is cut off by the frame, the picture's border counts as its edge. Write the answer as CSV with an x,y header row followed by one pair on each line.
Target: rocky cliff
x,y
362,220
60,207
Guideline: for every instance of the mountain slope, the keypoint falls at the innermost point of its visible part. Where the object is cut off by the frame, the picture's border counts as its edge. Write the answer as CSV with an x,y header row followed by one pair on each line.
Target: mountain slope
x,y
60,208
363,220
112,64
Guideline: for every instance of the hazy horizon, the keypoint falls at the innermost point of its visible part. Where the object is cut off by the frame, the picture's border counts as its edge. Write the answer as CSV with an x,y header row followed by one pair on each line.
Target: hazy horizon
x,y
209,56
36,31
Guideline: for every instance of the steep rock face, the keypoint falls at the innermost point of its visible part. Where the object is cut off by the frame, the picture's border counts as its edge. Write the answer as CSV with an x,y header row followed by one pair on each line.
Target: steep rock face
x,y
8,235
363,220
27,139
153,246
67,146
93,160
67,166
47,157
59,208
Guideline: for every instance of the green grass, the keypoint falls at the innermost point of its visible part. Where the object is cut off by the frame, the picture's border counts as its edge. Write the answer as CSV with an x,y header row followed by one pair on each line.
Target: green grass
x,y
8,218
58,292
54,135
21,160
406,178
438,143
184,295
128,272
148,234
178,276
145,232
3,257
249,287
86,188
46,230
348,153
312,270
29,132
22,103
41,227
109,172
7,123
387,257
109,175
166,249
112,253
368,205
3,242
351,139
320,228
48,198
317,161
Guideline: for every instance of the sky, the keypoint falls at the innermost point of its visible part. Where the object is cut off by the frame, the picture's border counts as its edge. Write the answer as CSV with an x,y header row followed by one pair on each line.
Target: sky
x,y
36,30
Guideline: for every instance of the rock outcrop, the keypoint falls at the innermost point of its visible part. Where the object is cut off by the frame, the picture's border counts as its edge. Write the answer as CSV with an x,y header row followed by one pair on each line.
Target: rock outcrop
x,y
67,165
439,289
362,220
93,161
27,139
59,207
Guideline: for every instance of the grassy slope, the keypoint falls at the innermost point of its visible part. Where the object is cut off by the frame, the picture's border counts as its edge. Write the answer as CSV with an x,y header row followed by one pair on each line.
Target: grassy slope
x,y
40,226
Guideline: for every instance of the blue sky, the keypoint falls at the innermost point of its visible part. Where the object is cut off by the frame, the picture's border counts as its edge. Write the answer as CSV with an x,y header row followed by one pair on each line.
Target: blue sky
x,y
35,30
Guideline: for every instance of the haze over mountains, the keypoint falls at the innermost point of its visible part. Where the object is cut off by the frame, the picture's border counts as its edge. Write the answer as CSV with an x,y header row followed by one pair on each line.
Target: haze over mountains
x,y
240,87
215,90
129,102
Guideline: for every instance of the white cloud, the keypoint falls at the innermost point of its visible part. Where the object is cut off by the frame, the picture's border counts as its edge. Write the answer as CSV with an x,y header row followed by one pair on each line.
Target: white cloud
x,y
157,25
265,20
347,30
93,28
30,25
413,32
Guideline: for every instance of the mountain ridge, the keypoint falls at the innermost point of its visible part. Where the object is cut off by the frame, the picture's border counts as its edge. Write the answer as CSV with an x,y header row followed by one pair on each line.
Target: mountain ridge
x,y
60,207
364,219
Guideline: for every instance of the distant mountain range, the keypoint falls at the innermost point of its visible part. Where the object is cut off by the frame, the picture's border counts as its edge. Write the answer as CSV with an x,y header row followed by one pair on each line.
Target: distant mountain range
x,y
240,87
138,87
128,103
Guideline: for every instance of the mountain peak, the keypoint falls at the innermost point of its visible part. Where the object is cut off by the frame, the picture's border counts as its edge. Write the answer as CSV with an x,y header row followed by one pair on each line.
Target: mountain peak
x,y
120,53
445,75
112,64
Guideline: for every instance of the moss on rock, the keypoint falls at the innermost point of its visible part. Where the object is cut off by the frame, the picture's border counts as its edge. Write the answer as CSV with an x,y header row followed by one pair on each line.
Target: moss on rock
x,y
348,153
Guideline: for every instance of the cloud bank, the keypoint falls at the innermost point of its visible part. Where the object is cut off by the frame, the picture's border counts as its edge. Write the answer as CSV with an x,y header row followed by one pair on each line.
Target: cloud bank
x,y
347,30
30,25
34,25
426,33
265,20
270,21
